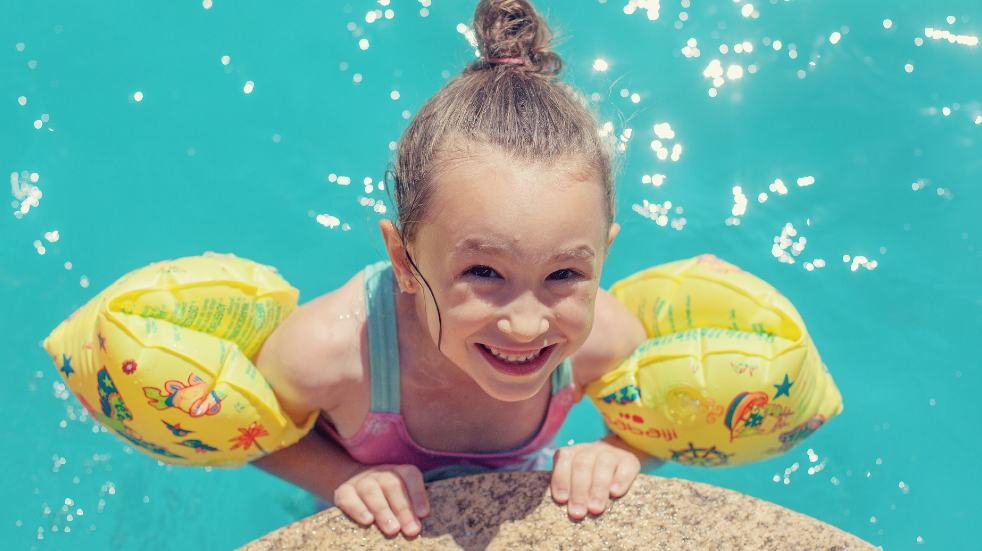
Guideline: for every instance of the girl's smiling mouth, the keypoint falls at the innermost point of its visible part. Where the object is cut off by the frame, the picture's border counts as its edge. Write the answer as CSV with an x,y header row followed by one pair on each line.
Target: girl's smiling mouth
x,y
516,364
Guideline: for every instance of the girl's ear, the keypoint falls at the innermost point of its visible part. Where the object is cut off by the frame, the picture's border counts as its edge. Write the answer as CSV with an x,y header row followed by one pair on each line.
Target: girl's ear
x,y
398,256
614,230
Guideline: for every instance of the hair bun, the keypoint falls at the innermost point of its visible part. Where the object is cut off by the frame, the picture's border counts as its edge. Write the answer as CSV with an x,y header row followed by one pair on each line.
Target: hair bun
x,y
513,29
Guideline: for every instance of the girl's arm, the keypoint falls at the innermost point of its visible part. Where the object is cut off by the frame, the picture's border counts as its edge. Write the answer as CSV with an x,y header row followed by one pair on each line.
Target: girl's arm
x,y
306,361
312,361
616,333
315,463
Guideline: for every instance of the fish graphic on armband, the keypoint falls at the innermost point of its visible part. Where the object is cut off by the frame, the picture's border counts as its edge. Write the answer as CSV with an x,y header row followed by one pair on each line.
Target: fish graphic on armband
x,y
194,397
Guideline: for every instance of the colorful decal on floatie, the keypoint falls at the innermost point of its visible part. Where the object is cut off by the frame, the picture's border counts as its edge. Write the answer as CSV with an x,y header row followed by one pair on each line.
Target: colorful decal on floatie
x,y
792,437
66,366
752,414
115,414
711,408
783,389
635,424
176,429
700,457
625,395
197,445
194,398
129,367
247,437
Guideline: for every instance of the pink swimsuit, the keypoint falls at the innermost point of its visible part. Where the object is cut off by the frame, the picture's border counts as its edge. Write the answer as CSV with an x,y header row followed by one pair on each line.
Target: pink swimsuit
x,y
383,437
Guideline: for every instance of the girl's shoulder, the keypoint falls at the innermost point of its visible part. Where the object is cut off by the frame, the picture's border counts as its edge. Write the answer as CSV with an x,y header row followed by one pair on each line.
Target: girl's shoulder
x,y
315,356
616,333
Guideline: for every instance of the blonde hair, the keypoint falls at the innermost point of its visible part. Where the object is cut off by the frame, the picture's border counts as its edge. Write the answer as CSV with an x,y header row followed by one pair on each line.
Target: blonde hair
x,y
520,109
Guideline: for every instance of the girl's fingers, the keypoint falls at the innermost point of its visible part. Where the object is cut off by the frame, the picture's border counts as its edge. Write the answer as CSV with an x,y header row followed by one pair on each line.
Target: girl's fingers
x,y
581,472
625,473
603,475
346,499
375,499
398,498
413,479
562,464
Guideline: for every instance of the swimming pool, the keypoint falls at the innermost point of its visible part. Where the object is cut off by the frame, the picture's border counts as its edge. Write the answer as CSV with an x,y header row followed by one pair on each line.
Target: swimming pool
x,y
129,137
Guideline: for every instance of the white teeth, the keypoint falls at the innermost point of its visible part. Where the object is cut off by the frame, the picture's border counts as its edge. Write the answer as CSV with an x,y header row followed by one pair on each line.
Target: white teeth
x,y
511,358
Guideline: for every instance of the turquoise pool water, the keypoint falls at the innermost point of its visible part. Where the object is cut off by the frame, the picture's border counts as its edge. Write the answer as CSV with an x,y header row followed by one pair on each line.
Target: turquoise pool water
x,y
128,139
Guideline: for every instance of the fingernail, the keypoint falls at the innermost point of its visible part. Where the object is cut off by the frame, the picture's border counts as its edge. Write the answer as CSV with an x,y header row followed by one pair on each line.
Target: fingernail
x,y
413,526
596,505
616,488
577,510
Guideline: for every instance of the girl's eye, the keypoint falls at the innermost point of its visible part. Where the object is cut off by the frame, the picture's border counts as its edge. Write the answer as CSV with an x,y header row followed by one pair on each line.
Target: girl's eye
x,y
562,275
482,272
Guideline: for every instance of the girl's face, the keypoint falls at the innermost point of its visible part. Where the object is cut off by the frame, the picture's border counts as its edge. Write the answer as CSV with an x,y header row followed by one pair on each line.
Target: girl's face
x,y
513,254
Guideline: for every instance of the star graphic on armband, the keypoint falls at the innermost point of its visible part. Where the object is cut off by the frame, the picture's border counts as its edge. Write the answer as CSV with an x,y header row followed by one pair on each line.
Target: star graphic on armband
x,y
66,365
784,388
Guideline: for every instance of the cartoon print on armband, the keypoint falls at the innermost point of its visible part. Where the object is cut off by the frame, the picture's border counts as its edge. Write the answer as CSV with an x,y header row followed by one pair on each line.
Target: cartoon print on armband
x,y
700,457
114,414
753,414
794,436
712,409
176,429
248,437
625,395
744,368
194,398
129,367
197,445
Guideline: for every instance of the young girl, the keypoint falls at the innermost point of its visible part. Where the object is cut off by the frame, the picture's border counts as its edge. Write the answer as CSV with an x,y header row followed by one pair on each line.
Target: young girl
x,y
466,349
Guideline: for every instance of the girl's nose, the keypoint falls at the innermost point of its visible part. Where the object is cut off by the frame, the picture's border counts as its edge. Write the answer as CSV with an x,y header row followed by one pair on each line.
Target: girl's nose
x,y
523,329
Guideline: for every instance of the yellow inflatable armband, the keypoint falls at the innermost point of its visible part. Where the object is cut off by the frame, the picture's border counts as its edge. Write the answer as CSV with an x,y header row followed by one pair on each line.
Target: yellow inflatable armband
x,y
729,374
163,358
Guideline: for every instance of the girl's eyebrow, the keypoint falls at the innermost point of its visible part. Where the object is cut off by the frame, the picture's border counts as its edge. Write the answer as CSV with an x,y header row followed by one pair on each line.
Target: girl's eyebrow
x,y
481,246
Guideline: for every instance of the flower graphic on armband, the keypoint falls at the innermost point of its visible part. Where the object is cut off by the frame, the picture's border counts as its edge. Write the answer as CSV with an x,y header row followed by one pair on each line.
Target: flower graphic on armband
x,y
129,366
247,437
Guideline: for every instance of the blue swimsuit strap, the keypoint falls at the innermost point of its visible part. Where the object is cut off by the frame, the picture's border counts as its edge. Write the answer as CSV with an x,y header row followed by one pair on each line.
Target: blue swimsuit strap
x,y
383,341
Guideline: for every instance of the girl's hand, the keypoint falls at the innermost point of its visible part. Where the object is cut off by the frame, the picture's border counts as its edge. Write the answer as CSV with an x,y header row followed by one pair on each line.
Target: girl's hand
x,y
587,475
390,496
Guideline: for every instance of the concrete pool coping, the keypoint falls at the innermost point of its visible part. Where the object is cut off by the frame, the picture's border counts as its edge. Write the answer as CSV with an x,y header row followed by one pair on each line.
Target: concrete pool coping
x,y
513,510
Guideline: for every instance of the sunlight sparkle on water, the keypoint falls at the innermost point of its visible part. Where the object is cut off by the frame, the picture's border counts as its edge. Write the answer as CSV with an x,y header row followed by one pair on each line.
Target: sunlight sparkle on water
x,y
944,34
664,131
691,49
651,8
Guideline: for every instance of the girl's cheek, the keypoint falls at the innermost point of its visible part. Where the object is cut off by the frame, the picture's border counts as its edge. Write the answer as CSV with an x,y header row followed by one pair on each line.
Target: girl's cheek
x,y
575,314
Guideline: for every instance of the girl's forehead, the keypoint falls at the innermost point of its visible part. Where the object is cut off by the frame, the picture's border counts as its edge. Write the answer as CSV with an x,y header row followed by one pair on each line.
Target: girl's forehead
x,y
514,185
530,207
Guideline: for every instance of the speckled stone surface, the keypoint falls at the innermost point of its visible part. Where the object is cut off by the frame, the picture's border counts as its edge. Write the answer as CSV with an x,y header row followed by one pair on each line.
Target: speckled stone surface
x,y
514,511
